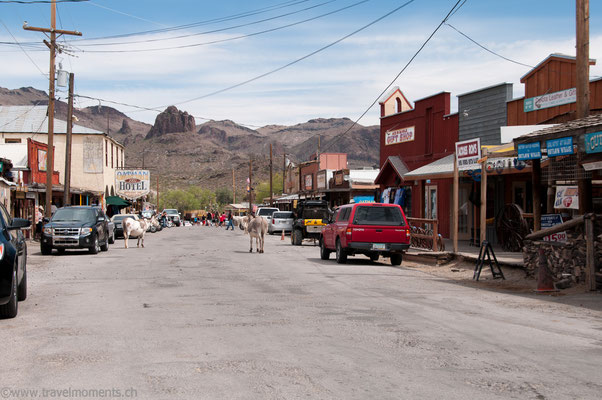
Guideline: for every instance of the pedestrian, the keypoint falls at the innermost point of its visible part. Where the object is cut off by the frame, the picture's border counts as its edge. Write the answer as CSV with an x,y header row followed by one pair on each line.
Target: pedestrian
x,y
230,221
222,219
39,221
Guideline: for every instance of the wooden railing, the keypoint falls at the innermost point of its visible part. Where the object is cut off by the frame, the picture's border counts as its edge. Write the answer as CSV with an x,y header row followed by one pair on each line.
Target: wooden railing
x,y
423,236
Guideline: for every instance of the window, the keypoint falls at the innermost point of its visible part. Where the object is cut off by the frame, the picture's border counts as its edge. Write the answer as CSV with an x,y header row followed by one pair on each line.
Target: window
x,y
398,105
107,153
12,140
112,152
378,215
122,159
344,214
117,163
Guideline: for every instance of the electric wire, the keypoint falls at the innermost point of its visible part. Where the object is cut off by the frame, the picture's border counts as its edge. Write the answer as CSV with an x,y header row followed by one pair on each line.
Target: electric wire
x,y
40,1
195,34
339,136
124,13
231,38
331,44
24,51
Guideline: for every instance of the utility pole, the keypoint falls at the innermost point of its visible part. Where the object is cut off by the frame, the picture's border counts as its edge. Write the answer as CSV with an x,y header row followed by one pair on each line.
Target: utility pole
x,y
67,191
250,186
271,189
283,172
582,58
52,46
233,188
157,192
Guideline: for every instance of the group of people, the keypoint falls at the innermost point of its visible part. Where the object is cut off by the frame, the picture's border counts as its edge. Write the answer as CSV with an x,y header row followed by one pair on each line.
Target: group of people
x,y
217,219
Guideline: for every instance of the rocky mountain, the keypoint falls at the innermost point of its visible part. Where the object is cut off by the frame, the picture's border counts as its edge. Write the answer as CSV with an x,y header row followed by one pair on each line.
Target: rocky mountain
x,y
182,154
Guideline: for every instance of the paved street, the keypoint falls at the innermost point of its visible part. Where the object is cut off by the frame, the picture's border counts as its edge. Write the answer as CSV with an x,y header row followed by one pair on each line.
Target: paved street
x,y
194,315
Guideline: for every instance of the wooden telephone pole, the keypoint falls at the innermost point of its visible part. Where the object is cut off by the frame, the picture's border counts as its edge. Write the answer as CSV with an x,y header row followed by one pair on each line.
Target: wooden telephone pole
x,y
271,189
250,186
582,58
233,187
67,191
283,172
53,32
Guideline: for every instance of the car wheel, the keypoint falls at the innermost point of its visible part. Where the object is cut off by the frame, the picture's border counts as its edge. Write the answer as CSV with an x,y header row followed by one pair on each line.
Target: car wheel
x,y
46,250
10,309
95,247
395,259
324,252
341,255
105,246
296,238
112,238
22,288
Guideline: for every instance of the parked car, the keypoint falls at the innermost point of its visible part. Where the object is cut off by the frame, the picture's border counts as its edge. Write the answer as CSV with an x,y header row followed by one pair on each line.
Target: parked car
x,y
78,227
13,263
118,220
281,221
266,212
173,215
372,229
310,217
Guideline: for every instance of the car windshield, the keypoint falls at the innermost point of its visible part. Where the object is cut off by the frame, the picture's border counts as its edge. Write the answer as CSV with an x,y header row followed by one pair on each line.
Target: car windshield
x,y
74,214
282,215
173,211
315,213
266,211
378,215
120,217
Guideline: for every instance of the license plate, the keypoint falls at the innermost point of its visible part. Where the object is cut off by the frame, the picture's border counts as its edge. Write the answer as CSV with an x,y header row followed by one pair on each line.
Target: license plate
x,y
379,246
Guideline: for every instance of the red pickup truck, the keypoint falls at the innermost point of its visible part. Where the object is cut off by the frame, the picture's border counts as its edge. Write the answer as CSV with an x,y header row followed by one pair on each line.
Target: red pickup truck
x,y
372,229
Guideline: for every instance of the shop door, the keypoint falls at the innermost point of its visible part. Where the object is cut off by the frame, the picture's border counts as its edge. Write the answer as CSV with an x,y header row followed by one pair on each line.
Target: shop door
x,y
464,212
430,202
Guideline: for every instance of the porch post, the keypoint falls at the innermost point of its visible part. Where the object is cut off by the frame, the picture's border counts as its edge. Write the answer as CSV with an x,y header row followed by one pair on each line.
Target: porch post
x,y
535,183
456,190
483,196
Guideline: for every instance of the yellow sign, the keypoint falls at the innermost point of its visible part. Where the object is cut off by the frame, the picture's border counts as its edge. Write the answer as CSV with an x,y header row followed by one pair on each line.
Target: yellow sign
x,y
309,222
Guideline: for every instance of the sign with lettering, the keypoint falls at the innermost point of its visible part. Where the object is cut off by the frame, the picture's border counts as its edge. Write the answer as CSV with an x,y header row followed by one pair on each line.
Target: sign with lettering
x,y
593,142
399,136
321,180
468,153
309,182
560,147
550,220
132,183
567,197
529,151
550,100
42,160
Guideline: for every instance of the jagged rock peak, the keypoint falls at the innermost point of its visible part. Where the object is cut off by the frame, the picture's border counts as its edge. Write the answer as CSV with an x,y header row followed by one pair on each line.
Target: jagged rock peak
x,y
172,120
125,127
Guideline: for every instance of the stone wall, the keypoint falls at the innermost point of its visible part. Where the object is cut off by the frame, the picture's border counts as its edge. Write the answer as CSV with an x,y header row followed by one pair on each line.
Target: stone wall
x,y
566,261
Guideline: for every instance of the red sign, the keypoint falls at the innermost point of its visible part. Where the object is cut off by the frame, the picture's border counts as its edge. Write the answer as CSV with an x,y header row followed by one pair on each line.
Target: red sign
x,y
468,154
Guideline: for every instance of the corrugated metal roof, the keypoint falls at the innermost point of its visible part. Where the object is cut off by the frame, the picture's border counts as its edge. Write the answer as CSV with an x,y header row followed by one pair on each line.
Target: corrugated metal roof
x,y
443,165
33,119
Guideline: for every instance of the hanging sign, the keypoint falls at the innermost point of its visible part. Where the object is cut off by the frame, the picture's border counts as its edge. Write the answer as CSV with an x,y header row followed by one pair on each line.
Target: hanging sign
x,y
309,182
593,142
560,147
468,153
321,180
550,220
132,183
399,136
550,100
567,197
529,151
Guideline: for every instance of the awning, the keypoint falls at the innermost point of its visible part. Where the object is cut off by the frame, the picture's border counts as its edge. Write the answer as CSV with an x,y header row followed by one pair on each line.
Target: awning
x,y
117,201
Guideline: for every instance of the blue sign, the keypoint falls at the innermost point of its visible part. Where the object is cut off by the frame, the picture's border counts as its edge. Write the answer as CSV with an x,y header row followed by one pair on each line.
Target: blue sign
x,y
560,147
529,151
363,199
550,220
593,142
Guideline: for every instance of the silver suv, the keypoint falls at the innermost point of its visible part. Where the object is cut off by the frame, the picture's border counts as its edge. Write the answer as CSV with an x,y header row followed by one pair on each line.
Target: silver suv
x,y
174,215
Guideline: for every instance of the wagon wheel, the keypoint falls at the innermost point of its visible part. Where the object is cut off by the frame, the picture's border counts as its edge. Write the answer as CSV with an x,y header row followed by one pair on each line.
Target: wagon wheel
x,y
511,228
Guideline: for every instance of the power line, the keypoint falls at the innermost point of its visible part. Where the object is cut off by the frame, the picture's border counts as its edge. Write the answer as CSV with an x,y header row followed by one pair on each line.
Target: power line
x,y
40,1
27,54
338,137
200,23
192,34
126,14
298,59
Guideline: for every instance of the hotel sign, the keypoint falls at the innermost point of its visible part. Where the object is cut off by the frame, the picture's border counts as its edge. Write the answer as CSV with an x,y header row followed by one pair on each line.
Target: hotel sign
x,y
550,100
468,154
593,142
399,136
132,183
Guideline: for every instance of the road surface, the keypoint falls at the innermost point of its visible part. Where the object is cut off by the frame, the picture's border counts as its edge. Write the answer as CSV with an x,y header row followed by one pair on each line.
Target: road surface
x,y
195,316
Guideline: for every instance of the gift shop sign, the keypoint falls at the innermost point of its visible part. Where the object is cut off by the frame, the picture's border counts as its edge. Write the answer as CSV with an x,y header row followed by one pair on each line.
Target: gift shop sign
x,y
399,136
567,197
132,183
468,154
550,100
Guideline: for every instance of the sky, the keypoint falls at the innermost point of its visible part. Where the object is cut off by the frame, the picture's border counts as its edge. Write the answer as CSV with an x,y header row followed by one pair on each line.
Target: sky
x,y
132,52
